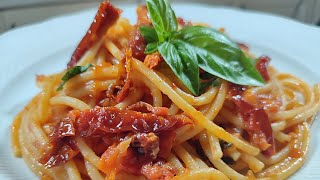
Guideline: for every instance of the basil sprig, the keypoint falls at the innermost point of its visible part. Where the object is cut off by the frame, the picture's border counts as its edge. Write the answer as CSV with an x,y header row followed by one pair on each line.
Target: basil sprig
x,y
73,72
194,47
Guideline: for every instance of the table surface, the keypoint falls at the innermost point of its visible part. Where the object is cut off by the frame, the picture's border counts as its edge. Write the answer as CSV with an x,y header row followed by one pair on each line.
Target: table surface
x,y
14,13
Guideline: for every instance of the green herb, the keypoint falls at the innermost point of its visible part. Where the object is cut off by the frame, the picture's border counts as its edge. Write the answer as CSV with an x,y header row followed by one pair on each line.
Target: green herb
x,y
73,72
194,47
163,18
151,48
149,34
220,56
211,82
183,62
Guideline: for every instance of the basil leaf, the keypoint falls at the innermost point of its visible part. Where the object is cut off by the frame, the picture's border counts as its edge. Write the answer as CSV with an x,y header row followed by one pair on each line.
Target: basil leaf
x,y
204,85
148,33
73,72
182,59
151,48
163,18
220,56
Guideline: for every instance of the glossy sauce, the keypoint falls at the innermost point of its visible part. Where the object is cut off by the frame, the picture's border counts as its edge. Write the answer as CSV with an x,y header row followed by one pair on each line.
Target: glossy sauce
x,y
106,16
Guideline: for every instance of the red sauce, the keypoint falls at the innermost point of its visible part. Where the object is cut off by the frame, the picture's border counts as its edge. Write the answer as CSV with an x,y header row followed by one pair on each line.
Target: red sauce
x,y
145,107
137,165
106,16
143,16
110,124
104,120
136,42
255,121
296,147
153,60
181,21
125,89
262,67
137,45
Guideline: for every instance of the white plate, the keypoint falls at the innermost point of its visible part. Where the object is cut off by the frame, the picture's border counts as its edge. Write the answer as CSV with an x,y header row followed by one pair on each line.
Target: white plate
x,y
46,47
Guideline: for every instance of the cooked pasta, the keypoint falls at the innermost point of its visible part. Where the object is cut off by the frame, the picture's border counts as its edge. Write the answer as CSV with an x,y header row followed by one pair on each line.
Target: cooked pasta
x,y
130,117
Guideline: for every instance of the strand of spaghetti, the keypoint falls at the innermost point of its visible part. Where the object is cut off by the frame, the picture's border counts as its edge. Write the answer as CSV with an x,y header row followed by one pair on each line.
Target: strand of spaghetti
x,y
15,127
81,166
90,54
132,98
200,163
233,153
204,108
72,170
214,146
309,112
172,159
40,170
87,152
97,72
205,98
119,151
251,175
294,112
281,137
212,113
278,126
231,117
293,83
254,164
218,102
204,173
101,85
100,59
199,118
173,109
186,157
182,131
37,130
279,89
120,30
289,165
27,149
113,49
280,155
126,176
90,88
185,133
299,86
155,92
93,172
31,139
123,42
194,155
189,148
69,101
46,93
262,89
219,164
239,166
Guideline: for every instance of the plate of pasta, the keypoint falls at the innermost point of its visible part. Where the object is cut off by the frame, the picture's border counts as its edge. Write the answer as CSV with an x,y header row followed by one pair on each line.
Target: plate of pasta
x,y
160,92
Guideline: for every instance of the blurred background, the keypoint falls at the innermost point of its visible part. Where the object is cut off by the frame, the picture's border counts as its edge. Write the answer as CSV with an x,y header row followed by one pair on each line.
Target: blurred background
x,y
14,13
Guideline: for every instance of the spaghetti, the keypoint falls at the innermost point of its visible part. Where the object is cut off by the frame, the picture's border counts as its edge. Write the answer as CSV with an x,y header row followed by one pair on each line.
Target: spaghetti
x,y
129,117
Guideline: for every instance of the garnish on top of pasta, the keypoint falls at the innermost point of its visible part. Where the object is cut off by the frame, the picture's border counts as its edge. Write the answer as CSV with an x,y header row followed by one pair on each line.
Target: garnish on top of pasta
x,y
164,99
